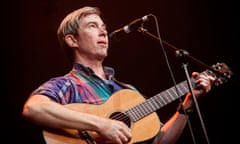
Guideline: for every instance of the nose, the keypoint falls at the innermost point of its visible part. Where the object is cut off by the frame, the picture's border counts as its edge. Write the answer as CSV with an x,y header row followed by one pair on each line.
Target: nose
x,y
103,31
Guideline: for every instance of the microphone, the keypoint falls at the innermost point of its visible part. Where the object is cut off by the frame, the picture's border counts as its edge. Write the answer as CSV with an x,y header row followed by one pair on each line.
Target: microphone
x,y
131,26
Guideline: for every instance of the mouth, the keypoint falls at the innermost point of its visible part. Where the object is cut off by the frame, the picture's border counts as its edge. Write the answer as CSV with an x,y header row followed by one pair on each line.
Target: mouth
x,y
102,44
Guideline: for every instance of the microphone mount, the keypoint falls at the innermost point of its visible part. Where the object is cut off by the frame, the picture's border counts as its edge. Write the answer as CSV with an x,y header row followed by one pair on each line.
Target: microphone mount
x,y
131,26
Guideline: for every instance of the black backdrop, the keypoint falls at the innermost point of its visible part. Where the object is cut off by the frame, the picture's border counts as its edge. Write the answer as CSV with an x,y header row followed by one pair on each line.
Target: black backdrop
x,y
206,29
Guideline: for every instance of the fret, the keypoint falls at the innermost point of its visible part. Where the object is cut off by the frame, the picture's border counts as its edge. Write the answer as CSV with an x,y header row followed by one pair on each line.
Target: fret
x,y
152,104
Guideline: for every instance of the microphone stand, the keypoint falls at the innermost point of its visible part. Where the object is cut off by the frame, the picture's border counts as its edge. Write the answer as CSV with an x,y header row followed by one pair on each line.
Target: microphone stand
x,y
182,54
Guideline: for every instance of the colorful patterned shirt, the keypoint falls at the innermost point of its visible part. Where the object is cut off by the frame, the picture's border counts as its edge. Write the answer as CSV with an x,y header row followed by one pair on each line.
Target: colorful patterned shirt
x,y
81,85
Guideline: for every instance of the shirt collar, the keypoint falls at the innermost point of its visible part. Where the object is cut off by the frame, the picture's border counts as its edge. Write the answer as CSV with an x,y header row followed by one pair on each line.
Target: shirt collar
x,y
109,71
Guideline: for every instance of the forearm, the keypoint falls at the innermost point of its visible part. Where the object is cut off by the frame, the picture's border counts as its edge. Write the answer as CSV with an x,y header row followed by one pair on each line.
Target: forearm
x,y
51,114
172,129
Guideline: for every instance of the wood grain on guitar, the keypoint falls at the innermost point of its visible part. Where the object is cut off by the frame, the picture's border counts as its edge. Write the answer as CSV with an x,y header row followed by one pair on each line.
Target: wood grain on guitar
x,y
115,107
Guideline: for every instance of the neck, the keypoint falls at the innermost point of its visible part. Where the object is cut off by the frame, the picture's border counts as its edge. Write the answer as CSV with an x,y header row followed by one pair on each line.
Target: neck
x,y
96,66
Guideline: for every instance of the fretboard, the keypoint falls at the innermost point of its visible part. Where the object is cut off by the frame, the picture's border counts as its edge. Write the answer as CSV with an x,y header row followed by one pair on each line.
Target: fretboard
x,y
158,101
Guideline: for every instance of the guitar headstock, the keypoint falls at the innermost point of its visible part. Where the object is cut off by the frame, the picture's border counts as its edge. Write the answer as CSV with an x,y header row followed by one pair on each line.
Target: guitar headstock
x,y
222,75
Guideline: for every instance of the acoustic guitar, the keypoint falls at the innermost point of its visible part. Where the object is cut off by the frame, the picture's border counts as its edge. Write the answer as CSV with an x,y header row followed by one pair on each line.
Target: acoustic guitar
x,y
132,108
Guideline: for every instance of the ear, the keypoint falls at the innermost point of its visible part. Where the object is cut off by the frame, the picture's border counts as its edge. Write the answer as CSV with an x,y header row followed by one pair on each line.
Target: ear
x,y
71,41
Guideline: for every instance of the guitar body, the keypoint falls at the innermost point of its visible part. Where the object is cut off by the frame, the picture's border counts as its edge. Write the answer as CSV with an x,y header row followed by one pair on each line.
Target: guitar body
x,y
142,130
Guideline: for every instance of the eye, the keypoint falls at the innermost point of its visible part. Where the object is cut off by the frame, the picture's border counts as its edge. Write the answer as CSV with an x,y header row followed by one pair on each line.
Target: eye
x,y
92,25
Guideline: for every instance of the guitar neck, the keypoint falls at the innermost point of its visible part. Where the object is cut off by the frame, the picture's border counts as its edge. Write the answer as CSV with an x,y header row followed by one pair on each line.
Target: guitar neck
x,y
158,101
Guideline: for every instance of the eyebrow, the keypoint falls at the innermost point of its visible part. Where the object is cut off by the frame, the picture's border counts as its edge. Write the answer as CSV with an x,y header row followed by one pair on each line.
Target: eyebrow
x,y
90,22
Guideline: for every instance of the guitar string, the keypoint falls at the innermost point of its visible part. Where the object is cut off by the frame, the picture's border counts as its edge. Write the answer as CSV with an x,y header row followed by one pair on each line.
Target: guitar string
x,y
123,116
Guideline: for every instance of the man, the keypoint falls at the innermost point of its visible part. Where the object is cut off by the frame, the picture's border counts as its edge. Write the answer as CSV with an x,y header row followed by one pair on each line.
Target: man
x,y
84,36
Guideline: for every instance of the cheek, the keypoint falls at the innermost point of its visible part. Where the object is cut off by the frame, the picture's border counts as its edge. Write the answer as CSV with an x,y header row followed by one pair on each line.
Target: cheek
x,y
89,37
85,40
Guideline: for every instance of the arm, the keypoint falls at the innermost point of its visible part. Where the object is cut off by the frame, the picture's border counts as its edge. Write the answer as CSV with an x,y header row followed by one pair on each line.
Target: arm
x,y
172,129
41,110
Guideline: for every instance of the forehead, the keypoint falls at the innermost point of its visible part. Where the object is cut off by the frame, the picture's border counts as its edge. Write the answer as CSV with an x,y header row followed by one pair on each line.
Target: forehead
x,y
91,18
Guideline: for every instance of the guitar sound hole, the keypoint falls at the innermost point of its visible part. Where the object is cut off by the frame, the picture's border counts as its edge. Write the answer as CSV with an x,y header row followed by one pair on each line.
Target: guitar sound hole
x,y
121,117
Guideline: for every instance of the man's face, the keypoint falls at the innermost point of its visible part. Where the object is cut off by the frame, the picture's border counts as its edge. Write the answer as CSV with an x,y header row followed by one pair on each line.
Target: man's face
x,y
93,38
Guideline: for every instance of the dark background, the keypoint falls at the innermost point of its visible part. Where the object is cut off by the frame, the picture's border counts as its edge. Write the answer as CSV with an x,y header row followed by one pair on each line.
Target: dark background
x,y
206,29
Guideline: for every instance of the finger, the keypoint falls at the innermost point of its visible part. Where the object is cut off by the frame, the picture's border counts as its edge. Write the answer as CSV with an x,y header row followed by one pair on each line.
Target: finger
x,y
126,134
203,85
123,138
